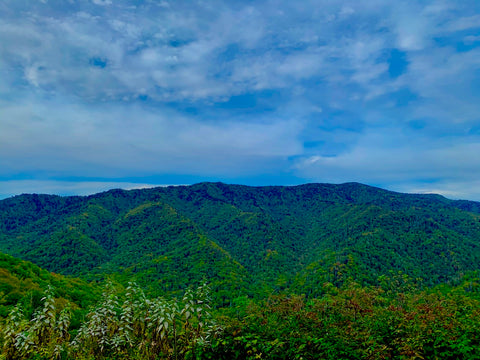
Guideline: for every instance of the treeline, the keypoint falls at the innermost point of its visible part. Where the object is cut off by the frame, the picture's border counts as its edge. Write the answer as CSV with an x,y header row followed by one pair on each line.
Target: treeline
x,y
393,320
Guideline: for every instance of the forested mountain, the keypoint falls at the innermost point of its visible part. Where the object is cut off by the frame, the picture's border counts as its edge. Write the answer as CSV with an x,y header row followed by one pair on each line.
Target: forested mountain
x,y
314,271
245,239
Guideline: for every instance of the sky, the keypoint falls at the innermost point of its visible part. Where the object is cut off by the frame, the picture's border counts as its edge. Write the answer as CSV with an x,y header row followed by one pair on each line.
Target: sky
x,y
108,94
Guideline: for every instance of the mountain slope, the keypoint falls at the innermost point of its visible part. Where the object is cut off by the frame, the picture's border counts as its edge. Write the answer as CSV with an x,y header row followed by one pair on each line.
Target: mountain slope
x,y
23,281
242,238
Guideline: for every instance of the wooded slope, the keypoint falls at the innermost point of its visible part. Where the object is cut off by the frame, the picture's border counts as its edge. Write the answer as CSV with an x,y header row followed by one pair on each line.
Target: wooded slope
x,y
245,239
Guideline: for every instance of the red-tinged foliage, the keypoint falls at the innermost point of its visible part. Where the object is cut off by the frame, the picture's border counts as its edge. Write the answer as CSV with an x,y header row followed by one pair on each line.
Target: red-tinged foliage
x,y
355,323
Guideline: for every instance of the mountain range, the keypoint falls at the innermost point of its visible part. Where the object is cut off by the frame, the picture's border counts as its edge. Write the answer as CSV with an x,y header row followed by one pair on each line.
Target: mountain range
x,y
245,240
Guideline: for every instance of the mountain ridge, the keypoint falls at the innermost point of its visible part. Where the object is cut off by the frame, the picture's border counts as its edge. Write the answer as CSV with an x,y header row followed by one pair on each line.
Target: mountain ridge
x,y
245,238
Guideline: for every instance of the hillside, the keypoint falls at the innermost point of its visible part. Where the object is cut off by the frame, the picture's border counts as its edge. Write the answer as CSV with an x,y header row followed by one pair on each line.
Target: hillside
x,y
24,282
245,239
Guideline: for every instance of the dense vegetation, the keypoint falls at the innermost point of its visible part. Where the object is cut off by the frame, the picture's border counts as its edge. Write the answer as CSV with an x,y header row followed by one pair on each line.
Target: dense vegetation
x,y
22,282
315,271
245,240
394,320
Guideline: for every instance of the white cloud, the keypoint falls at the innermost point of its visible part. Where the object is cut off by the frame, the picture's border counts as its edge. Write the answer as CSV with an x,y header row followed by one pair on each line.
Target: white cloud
x,y
401,161
31,74
456,190
269,53
102,2
120,141
464,23
115,90
443,79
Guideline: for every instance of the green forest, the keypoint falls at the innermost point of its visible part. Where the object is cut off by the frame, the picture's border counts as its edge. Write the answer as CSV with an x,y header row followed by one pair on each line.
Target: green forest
x,y
217,271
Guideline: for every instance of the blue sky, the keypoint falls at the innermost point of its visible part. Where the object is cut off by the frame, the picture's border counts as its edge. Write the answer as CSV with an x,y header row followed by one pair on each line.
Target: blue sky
x,y
101,94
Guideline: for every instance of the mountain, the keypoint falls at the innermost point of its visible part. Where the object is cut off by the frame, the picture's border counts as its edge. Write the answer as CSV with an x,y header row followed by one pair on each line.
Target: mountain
x,y
245,239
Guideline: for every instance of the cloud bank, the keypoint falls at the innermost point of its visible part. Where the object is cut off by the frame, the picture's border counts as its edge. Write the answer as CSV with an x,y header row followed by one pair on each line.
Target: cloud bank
x,y
383,93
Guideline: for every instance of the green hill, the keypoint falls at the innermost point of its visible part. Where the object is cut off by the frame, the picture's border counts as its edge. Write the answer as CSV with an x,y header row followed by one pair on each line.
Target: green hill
x,y
244,239
22,281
